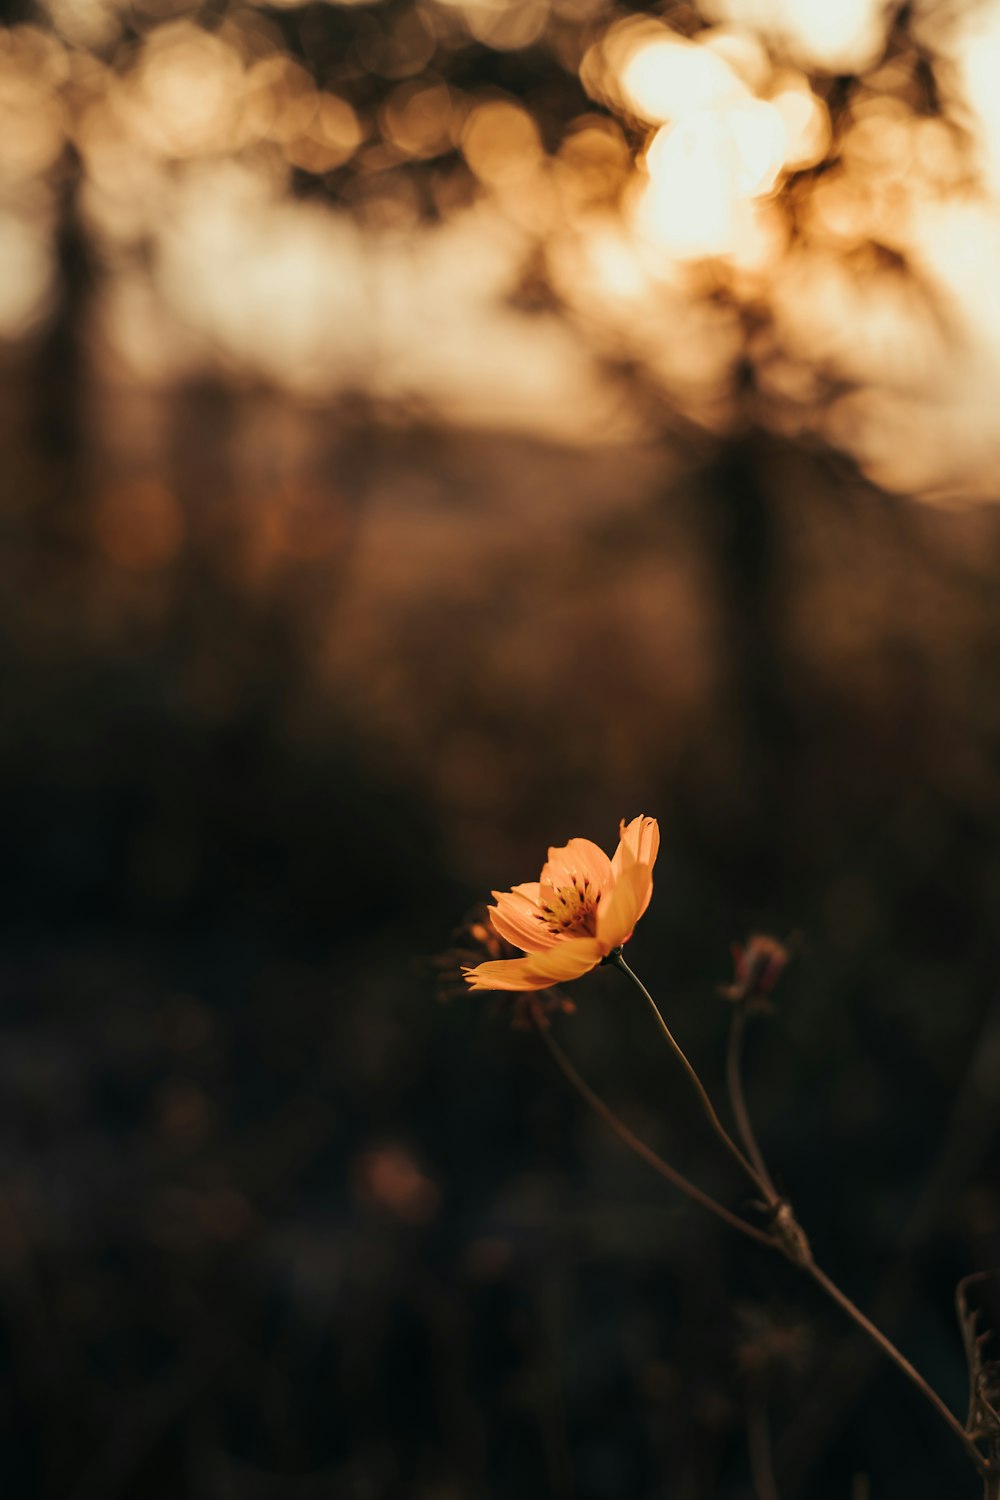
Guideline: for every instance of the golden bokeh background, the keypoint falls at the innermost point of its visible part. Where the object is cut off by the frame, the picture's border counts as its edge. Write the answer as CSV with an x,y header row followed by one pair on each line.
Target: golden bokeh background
x,y
362,199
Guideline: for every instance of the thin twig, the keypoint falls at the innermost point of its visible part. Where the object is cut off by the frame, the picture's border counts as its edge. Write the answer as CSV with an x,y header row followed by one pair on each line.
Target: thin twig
x,y
734,1083
644,1152
899,1359
696,1083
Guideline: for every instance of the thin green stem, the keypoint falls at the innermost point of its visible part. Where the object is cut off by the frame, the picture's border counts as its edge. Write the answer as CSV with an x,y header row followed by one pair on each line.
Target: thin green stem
x,y
734,1083
707,1106
644,1152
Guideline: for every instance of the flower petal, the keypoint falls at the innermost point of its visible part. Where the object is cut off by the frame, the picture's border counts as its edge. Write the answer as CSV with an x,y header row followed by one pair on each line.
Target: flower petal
x,y
624,905
570,958
641,840
578,861
516,918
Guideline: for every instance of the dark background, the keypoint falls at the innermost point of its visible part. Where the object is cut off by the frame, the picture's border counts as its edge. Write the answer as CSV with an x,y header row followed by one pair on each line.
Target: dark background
x,y
285,1214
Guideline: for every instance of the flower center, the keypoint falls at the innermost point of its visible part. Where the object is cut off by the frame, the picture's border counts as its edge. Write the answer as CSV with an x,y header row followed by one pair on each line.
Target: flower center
x,y
572,909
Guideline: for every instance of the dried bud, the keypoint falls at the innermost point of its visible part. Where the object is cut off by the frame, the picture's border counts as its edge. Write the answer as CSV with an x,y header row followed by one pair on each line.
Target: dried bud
x,y
757,967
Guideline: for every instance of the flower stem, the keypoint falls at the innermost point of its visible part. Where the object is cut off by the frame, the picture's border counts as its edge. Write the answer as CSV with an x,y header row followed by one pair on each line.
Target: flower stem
x,y
644,1152
734,1083
899,1359
790,1240
707,1106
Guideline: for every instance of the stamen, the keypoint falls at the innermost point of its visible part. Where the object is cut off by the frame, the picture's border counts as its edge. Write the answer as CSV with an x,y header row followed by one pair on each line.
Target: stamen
x,y
571,909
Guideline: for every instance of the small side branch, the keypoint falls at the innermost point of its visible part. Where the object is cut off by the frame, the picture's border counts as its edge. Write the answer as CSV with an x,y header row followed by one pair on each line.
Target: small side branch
x,y
734,1084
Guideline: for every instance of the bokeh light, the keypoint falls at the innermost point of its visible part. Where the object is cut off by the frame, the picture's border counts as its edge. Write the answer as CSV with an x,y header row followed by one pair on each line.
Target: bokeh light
x,y
242,198
844,38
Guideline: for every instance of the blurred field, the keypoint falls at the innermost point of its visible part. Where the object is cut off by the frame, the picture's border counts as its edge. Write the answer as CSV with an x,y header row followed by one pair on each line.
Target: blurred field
x,y
276,1222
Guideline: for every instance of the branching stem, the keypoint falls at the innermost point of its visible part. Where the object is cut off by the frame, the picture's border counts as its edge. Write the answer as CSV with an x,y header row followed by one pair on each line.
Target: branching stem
x,y
644,1152
696,1083
786,1236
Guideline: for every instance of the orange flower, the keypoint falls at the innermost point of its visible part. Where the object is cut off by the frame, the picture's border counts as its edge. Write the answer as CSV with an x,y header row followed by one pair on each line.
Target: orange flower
x,y
582,907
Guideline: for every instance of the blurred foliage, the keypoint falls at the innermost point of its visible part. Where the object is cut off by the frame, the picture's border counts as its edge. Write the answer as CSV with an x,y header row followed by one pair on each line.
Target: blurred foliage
x,y
552,215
